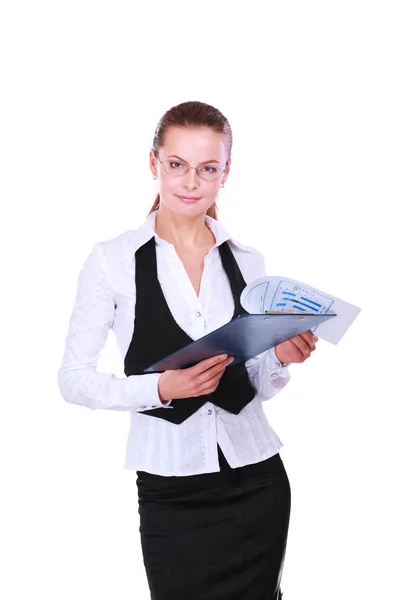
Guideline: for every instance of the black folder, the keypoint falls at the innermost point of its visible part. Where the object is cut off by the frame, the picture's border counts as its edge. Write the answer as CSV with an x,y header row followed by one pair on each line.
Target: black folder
x,y
243,338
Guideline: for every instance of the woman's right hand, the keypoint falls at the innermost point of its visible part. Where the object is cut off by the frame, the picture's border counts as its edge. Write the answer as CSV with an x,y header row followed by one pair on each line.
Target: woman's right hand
x,y
198,380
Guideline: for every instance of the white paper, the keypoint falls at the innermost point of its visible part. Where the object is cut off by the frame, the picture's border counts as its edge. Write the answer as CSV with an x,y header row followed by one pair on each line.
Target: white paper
x,y
287,295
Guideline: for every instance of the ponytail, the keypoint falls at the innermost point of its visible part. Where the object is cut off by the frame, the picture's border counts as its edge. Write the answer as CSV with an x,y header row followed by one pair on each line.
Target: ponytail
x,y
155,205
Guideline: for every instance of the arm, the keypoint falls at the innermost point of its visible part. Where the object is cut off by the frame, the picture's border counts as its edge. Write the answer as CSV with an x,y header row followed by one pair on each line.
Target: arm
x,y
92,316
267,374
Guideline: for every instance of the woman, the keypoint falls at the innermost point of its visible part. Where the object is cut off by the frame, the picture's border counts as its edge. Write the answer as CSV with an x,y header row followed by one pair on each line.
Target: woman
x,y
214,496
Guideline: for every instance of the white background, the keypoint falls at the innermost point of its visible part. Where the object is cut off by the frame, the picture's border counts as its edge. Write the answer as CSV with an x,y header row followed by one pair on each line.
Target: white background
x,y
311,90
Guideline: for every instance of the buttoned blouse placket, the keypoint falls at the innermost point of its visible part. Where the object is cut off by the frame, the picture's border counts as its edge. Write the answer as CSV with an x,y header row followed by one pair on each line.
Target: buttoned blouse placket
x,y
198,306
196,312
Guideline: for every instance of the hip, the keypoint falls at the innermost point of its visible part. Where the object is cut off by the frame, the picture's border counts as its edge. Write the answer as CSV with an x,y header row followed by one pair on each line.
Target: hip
x,y
269,472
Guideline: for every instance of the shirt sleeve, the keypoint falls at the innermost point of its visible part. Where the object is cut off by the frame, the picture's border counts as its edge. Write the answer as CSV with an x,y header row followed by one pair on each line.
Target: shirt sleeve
x,y
92,316
266,373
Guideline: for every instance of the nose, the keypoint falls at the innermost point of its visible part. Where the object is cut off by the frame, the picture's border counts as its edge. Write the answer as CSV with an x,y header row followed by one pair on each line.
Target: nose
x,y
191,179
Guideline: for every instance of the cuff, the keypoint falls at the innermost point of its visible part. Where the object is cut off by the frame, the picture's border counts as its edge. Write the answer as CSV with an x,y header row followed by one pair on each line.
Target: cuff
x,y
278,363
151,393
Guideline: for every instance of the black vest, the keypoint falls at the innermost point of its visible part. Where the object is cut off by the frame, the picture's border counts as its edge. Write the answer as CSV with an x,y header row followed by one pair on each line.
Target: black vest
x,y
157,334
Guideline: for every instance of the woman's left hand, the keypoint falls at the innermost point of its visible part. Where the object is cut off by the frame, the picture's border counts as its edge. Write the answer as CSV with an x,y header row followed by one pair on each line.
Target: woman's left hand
x,y
296,349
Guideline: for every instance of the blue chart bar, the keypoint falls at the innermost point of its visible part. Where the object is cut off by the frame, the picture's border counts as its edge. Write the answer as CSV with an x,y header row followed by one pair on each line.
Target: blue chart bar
x,y
308,306
292,296
310,301
298,304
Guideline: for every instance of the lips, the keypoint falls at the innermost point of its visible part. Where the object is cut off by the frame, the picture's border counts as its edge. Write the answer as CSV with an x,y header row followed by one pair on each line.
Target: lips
x,y
189,199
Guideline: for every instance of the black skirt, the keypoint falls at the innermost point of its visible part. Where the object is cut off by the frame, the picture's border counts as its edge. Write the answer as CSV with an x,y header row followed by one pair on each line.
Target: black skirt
x,y
215,536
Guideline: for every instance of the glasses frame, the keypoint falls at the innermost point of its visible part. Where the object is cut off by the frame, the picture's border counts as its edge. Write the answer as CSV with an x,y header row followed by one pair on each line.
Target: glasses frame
x,y
187,169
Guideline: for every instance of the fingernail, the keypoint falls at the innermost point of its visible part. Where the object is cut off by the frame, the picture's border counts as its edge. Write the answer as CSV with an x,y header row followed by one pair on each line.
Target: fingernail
x,y
223,356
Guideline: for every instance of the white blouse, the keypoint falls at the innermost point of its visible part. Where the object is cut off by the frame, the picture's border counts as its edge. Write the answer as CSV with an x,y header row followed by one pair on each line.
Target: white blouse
x,y
105,299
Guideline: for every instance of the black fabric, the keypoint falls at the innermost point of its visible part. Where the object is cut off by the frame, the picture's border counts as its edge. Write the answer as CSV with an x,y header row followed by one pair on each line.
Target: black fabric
x,y
157,334
216,536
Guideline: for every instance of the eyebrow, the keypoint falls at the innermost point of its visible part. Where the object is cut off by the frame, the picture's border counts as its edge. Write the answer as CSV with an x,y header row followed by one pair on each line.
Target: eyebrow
x,y
206,162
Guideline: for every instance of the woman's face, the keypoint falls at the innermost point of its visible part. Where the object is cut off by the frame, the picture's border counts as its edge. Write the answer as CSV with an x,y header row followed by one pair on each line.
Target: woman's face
x,y
189,194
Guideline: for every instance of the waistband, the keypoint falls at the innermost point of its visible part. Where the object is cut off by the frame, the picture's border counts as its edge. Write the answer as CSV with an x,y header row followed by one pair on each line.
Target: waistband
x,y
227,473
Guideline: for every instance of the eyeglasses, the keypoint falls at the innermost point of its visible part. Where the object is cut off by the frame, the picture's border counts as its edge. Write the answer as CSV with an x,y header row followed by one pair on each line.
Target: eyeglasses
x,y
177,168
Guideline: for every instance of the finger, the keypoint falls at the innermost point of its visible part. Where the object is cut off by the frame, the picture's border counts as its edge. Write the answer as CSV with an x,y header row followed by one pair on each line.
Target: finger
x,y
206,378
301,345
308,337
216,371
298,354
208,391
216,368
209,387
207,364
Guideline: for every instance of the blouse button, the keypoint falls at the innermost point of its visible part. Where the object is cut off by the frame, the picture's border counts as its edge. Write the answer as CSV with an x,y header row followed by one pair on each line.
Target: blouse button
x,y
198,314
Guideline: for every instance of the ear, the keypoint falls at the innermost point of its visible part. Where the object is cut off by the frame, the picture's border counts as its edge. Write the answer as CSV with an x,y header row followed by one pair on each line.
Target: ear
x,y
227,171
153,162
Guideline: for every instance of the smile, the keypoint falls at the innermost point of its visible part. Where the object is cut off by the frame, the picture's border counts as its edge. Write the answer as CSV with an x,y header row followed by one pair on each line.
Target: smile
x,y
189,199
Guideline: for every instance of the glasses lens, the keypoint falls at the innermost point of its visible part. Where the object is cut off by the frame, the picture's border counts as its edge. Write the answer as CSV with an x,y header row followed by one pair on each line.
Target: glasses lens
x,y
174,167
209,172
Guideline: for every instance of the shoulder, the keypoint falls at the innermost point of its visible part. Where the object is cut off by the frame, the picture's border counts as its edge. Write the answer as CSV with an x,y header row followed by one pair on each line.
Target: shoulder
x,y
115,255
123,246
250,260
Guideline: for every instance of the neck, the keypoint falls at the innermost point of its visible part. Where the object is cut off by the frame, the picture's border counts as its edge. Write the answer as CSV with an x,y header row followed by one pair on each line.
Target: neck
x,y
181,230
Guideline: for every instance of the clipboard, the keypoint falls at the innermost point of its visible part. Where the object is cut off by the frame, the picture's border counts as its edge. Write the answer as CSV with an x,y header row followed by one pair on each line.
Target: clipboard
x,y
243,338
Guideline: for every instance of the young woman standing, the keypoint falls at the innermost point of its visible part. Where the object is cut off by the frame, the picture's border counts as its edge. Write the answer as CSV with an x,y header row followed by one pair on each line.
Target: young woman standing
x,y
214,496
